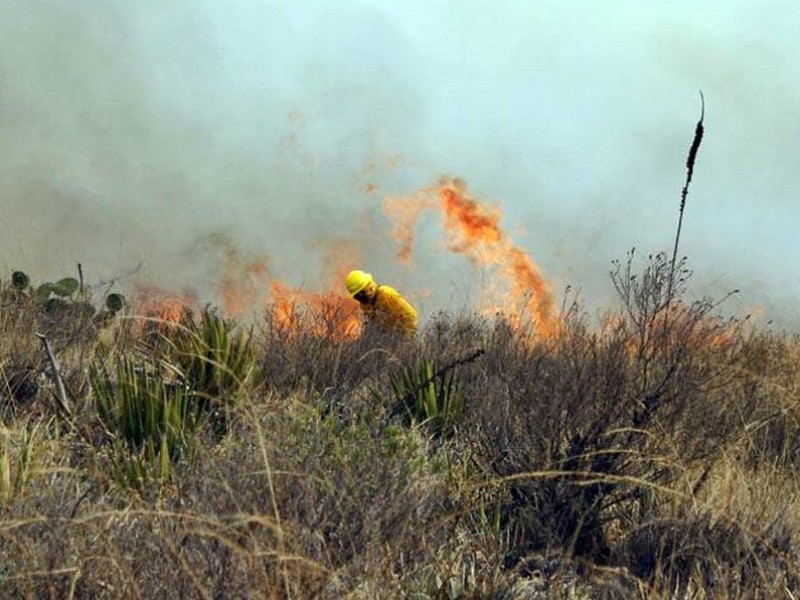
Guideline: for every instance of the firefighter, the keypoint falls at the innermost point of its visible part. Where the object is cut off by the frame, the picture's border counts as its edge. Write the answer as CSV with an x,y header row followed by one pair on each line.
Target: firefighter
x,y
383,306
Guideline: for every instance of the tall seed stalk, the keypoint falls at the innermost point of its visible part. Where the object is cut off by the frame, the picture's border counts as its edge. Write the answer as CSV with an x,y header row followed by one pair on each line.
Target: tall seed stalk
x,y
698,137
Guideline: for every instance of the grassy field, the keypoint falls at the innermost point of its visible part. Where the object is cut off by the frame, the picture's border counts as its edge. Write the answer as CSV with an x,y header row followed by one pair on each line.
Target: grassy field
x,y
652,453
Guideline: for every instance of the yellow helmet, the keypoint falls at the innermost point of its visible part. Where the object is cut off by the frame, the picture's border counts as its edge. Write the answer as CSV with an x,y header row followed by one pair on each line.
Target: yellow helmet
x,y
357,281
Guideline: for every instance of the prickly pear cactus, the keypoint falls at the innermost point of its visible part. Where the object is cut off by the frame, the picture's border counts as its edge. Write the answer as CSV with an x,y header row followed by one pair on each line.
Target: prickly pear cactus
x,y
66,287
63,288
115,302
20,280
42,292
54,306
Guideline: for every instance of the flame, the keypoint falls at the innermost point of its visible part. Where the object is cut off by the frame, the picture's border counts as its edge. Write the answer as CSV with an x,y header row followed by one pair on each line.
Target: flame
x,y
326,315
406,213
680,328
473,230
246,283
163,309
687,329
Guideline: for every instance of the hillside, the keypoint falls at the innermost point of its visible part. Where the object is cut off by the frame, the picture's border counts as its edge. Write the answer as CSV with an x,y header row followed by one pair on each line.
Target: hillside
x,y
651,453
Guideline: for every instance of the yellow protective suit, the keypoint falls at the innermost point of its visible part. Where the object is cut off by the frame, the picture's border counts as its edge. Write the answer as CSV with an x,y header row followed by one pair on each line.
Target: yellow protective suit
x,y
387,309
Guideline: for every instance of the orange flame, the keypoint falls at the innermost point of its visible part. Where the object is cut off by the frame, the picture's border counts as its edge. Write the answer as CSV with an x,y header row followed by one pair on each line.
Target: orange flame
x,y
326,315
679,329
246,283
162,309
406,212
473,229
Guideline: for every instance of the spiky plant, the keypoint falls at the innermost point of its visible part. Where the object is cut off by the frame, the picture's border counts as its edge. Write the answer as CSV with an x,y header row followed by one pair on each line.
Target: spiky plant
x,y
152,420
215,360
433,399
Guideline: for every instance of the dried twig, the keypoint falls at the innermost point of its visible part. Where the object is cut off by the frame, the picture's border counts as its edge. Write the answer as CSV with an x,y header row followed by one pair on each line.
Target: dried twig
x,y
61,397
80,280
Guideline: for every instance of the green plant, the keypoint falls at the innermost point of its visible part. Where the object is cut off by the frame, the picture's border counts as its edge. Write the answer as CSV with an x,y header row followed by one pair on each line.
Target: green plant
x,y
429,397
214,360
20,280
63,288
115,302
153,418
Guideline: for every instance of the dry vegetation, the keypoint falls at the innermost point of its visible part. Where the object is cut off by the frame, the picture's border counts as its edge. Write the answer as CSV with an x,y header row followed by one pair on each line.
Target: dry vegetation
x,y
653,455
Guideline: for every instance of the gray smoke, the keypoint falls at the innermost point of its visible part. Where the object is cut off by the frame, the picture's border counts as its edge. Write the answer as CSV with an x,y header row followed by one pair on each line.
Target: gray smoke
x,y
141,132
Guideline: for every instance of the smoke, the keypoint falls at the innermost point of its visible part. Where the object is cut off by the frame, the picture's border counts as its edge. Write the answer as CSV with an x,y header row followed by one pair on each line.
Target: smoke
x,y
126,137
219,143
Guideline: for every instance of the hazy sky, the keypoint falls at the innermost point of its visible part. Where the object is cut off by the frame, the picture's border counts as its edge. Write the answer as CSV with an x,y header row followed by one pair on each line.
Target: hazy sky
x,y
138,131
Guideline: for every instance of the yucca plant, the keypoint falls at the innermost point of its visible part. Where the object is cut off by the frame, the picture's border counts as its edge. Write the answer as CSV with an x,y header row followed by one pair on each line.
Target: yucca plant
x,y
152,418
215,360
134,469
434,399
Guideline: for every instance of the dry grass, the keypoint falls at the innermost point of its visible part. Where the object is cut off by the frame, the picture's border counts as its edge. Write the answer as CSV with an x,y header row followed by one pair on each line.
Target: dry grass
x,y
653,455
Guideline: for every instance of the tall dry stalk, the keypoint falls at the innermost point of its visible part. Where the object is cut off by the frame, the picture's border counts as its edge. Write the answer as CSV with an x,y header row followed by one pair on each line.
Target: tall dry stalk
x,y
698,137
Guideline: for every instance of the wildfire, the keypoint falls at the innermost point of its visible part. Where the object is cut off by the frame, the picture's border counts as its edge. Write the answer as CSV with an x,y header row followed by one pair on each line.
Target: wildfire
x,y
327,313
322,314
473,229
679,329
163,308
246,283
406,212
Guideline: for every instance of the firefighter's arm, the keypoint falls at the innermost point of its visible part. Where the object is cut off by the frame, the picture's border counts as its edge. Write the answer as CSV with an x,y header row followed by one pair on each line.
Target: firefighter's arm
x,y
402,310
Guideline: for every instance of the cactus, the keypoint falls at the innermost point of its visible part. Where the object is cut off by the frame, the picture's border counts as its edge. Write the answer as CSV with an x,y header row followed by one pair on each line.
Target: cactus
x,y
54,305
42,292
115,302
65,287
20,280
63,299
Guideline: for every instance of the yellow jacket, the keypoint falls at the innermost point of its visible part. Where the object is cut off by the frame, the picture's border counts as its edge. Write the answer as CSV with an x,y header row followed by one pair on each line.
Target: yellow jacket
x,y
388,309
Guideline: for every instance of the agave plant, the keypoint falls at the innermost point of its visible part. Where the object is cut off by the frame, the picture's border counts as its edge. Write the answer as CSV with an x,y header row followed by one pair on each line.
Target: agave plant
x,y
151,419
215,360
434,399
